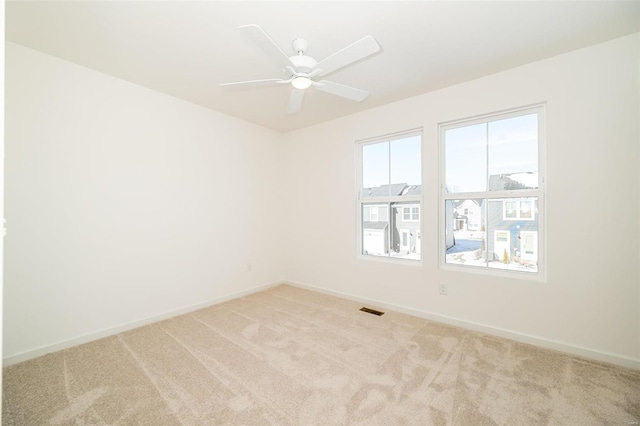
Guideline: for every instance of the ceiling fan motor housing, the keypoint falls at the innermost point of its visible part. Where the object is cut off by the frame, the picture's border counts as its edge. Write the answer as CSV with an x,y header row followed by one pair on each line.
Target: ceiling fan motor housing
x,y
304,64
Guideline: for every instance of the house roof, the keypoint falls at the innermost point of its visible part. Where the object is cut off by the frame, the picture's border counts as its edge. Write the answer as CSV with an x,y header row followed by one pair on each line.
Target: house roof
x,y
510,181
458,203
391,190
374,225
412,190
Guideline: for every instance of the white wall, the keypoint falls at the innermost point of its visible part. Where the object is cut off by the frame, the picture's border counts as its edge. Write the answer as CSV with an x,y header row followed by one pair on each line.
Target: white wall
x,y
2,50
591,297
123,203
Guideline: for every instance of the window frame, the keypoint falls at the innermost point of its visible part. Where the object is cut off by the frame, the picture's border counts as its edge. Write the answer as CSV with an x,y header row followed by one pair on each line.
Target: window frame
x,y
518,210
540,274
413,218
388,200
411,213
406,214
371,215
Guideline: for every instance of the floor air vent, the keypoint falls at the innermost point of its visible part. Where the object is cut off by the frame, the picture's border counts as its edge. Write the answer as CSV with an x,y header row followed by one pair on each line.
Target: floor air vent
x,y
372,311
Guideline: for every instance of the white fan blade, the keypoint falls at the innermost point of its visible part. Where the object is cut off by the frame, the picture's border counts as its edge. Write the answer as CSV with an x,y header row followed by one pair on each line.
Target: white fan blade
x,y
266,43
295,101
342,90
354,52
254,83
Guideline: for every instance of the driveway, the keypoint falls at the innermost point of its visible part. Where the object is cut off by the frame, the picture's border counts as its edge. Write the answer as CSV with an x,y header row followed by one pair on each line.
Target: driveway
x,y
464,245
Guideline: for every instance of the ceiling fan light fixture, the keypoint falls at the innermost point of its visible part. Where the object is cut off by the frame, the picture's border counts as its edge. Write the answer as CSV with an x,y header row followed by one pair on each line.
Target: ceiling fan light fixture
x,y
301,83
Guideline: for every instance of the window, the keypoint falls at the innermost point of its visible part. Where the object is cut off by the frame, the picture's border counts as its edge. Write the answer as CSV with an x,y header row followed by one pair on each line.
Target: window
x,y
390,181
411,214
492,171
518,209
373,213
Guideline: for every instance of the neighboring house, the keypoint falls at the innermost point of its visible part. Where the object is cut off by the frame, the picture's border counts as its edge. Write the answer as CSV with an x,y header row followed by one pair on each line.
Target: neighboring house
x,y
513,230
374,238
449,237
512,225
407,220
467,215
513,222
404,226
375,225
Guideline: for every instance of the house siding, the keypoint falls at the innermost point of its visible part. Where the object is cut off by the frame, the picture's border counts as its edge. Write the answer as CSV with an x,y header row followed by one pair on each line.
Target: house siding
x,y
515,227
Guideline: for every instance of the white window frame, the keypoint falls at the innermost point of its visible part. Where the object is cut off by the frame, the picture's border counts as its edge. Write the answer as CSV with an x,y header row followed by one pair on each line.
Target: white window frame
x,y
371,215
362,201
540,275
518,210
410,214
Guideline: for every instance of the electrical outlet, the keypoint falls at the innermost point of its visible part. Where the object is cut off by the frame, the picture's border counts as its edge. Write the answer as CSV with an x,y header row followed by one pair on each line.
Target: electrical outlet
x,y
444,290
248,267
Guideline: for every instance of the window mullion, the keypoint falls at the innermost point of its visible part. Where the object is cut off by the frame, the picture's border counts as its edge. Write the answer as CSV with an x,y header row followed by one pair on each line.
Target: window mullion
x,y
486,169
517,193
485,224
389,228
394,199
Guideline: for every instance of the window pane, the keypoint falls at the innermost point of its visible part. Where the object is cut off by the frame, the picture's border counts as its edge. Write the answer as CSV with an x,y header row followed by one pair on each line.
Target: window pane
x,y
374,213
512,243
526,209
375,234
510,209
513,153
375,170
405,166
405,234
465,236
466,159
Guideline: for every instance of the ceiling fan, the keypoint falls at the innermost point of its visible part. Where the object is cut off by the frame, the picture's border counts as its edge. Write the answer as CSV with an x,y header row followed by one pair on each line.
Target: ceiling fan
x,y
300,70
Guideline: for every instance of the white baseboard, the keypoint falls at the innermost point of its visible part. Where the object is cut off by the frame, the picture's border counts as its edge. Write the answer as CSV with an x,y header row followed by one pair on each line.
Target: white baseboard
x,y
89,337
508,334
580,351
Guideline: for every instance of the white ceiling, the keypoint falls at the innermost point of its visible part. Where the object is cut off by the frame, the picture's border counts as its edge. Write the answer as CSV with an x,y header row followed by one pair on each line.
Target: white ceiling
x,y
185,49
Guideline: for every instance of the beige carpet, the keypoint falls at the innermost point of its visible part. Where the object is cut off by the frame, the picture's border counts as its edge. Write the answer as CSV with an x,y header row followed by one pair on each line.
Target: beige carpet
x,y
292,356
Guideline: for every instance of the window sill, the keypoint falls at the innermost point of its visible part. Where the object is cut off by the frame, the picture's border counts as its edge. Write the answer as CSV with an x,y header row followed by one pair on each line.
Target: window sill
x,y
390,260
495,272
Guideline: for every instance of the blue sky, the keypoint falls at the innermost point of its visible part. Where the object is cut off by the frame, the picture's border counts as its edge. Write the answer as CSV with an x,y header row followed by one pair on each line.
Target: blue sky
x,y
509,146
404,166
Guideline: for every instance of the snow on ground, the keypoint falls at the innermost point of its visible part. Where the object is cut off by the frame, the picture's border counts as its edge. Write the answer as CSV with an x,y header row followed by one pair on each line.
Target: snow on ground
x,y
466,251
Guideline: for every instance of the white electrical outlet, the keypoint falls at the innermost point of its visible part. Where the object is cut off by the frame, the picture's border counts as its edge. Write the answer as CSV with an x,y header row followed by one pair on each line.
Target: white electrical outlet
x,y
444,290
248,267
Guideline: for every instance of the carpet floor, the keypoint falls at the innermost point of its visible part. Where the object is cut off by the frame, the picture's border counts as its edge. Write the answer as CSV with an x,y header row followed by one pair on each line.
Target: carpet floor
x,y
289,356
